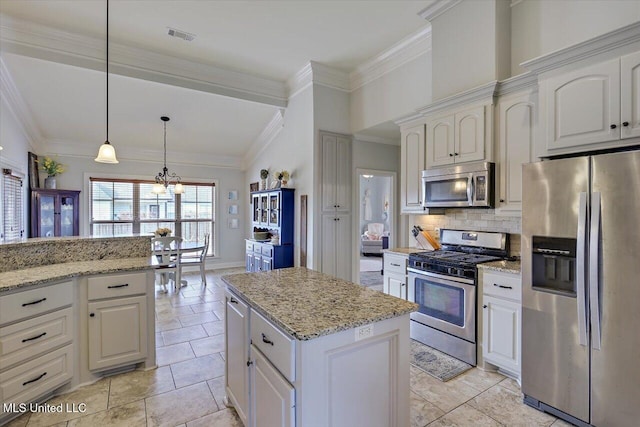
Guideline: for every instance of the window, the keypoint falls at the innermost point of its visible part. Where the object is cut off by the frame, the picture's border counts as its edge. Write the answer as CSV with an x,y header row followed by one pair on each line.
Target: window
x,y
12,224
126,207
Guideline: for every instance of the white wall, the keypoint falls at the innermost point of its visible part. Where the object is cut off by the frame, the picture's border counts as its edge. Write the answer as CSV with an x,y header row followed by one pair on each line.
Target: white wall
x,y
543,26
292,150
379,192
230,250
392,95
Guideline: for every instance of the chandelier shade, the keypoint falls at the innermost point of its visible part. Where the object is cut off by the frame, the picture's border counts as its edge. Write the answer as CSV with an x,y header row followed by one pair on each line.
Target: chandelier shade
x,y
107,154
164,178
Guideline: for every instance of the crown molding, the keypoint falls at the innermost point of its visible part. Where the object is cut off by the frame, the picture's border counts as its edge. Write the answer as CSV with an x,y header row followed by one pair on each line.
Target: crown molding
x,y
409,119
437,8
605,43
520,82
127,153
515,2
300,80
404,51
38,41
329,77
485,92
376,139
19,108
268,134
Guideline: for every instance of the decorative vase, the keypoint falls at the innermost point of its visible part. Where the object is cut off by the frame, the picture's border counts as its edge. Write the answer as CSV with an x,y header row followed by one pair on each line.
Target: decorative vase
x,y
50,182
263,184
283,183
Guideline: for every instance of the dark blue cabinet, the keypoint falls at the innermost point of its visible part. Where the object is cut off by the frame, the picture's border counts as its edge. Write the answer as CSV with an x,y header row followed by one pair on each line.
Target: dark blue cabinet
x,y
273,210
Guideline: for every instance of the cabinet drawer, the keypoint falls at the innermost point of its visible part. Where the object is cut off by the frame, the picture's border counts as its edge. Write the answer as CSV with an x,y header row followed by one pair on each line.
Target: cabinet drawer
x,y
31,303
274,344
503,285
30,380
236,303
395,263
117,285
267,250
249,246
32,337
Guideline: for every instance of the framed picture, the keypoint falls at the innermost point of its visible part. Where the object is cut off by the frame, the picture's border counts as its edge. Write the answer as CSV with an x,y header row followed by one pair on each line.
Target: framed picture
x,y
254,186
233,222
233,195
233,209
34,176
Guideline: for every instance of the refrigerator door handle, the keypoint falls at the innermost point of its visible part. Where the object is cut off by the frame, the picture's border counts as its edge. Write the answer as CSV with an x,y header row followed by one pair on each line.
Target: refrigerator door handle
x,y
581,269
594,273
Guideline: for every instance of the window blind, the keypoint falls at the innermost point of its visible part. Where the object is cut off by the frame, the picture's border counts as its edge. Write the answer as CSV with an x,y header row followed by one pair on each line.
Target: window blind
x,y
12,227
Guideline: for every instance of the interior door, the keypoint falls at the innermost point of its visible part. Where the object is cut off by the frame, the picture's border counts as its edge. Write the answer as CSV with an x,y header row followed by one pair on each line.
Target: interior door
x,y
614,377
555,367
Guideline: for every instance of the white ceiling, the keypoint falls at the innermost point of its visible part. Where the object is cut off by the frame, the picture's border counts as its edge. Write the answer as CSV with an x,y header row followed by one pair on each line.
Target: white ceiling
x,y
271,40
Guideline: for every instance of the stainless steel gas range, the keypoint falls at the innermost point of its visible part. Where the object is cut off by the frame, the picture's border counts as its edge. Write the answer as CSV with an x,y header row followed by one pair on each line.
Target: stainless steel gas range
x,y
444,282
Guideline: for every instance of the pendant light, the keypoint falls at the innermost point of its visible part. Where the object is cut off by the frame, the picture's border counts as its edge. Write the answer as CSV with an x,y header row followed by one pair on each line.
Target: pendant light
x,y
107,153
164,178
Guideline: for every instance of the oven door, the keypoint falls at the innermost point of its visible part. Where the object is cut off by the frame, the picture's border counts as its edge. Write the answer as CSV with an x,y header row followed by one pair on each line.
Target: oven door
x,y
445,303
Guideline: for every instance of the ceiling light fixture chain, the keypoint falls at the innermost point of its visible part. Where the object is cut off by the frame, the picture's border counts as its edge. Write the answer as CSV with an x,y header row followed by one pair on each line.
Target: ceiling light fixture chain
x,y
107,154
164,178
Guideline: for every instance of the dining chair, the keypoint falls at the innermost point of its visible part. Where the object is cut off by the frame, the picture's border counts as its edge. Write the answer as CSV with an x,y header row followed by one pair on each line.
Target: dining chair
x,y
199,259
167,253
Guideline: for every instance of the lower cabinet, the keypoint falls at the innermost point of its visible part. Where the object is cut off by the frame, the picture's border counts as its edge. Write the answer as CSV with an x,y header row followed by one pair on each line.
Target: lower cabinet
x,y
237,354
273,397
502,321
265,256
395,274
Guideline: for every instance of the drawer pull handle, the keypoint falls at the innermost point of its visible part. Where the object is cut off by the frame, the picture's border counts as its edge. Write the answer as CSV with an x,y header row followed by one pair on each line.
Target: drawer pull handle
x,y
34,302
118,286
233,300
503,286
34,380
395,265
34,338
249,363
266,340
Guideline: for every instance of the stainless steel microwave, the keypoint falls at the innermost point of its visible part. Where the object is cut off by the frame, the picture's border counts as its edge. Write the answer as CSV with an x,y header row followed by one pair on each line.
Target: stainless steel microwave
x,y
465,185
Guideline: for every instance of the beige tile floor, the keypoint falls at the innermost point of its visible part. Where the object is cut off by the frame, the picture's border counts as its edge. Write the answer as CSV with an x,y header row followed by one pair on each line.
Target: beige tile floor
x,y
188,386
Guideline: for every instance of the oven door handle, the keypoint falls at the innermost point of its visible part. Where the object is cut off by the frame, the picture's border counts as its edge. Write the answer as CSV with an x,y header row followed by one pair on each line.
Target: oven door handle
x,y
440,279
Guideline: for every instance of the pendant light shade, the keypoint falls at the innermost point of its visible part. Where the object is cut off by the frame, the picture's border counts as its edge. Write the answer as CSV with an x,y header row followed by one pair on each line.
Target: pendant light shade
x,y
107,153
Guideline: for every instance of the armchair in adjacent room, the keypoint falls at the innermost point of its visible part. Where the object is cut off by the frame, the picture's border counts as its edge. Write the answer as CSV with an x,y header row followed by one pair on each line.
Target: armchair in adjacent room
x,y
374,239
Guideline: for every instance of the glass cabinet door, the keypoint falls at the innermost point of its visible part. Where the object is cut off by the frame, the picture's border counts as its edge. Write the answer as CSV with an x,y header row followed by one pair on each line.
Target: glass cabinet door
x,y
264,203
274,209
67,215
255,201
47,215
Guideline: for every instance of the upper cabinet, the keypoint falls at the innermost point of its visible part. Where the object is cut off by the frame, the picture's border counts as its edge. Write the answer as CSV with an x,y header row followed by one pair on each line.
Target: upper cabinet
x,y
593,107
412,158
456,138
54,213
336,173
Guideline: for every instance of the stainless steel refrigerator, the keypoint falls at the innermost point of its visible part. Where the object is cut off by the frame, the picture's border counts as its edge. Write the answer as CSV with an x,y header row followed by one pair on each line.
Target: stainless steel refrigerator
x,y
581,288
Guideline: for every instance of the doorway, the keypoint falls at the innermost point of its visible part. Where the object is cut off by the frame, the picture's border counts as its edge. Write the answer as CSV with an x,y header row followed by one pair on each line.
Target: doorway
x,y
375,224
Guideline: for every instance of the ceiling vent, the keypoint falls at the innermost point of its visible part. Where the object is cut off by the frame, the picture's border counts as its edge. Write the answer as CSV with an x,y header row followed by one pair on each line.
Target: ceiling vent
x,y
181,34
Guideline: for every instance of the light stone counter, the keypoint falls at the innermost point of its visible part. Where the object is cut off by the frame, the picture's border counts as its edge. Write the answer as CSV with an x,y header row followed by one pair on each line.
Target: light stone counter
x,y
48,273
504,266
307,304
403,251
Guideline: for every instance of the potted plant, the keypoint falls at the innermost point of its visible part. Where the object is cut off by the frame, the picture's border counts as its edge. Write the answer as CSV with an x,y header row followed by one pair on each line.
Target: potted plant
x,y
163,232
283,177
264,174
52,168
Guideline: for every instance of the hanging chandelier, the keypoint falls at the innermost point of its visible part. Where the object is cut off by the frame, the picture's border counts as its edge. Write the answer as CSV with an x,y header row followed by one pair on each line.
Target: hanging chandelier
x,y
164,178
107,154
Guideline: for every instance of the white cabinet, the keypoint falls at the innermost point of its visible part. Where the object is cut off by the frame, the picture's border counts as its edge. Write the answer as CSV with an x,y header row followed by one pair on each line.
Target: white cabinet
x,y
336,172
456,138
594,107
237,354
336,247
395,275
502,320
515,134
412,158
273,397
117,323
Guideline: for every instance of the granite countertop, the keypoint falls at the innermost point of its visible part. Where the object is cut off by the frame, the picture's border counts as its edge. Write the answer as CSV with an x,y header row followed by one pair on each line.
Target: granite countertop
x,y
403,251
502,265
37,275
307,304
37,240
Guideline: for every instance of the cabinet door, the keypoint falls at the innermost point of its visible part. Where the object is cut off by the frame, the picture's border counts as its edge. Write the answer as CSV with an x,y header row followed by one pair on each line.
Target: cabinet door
x,y
343,174
273,397
237,354
267,264
255,203
630,95
582,105
412,153
257,262
274,209
68,214
469,135
516,117
117,332
336,173
440,141
336,256
264,209
501,333
249,261
46,215
395,285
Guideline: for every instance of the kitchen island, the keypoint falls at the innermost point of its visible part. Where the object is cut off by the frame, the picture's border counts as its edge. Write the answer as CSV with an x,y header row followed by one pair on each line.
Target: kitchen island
x,y
304,348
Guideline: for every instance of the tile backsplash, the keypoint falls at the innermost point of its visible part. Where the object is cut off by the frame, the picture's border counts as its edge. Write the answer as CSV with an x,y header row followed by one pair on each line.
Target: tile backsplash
x,y
471,219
